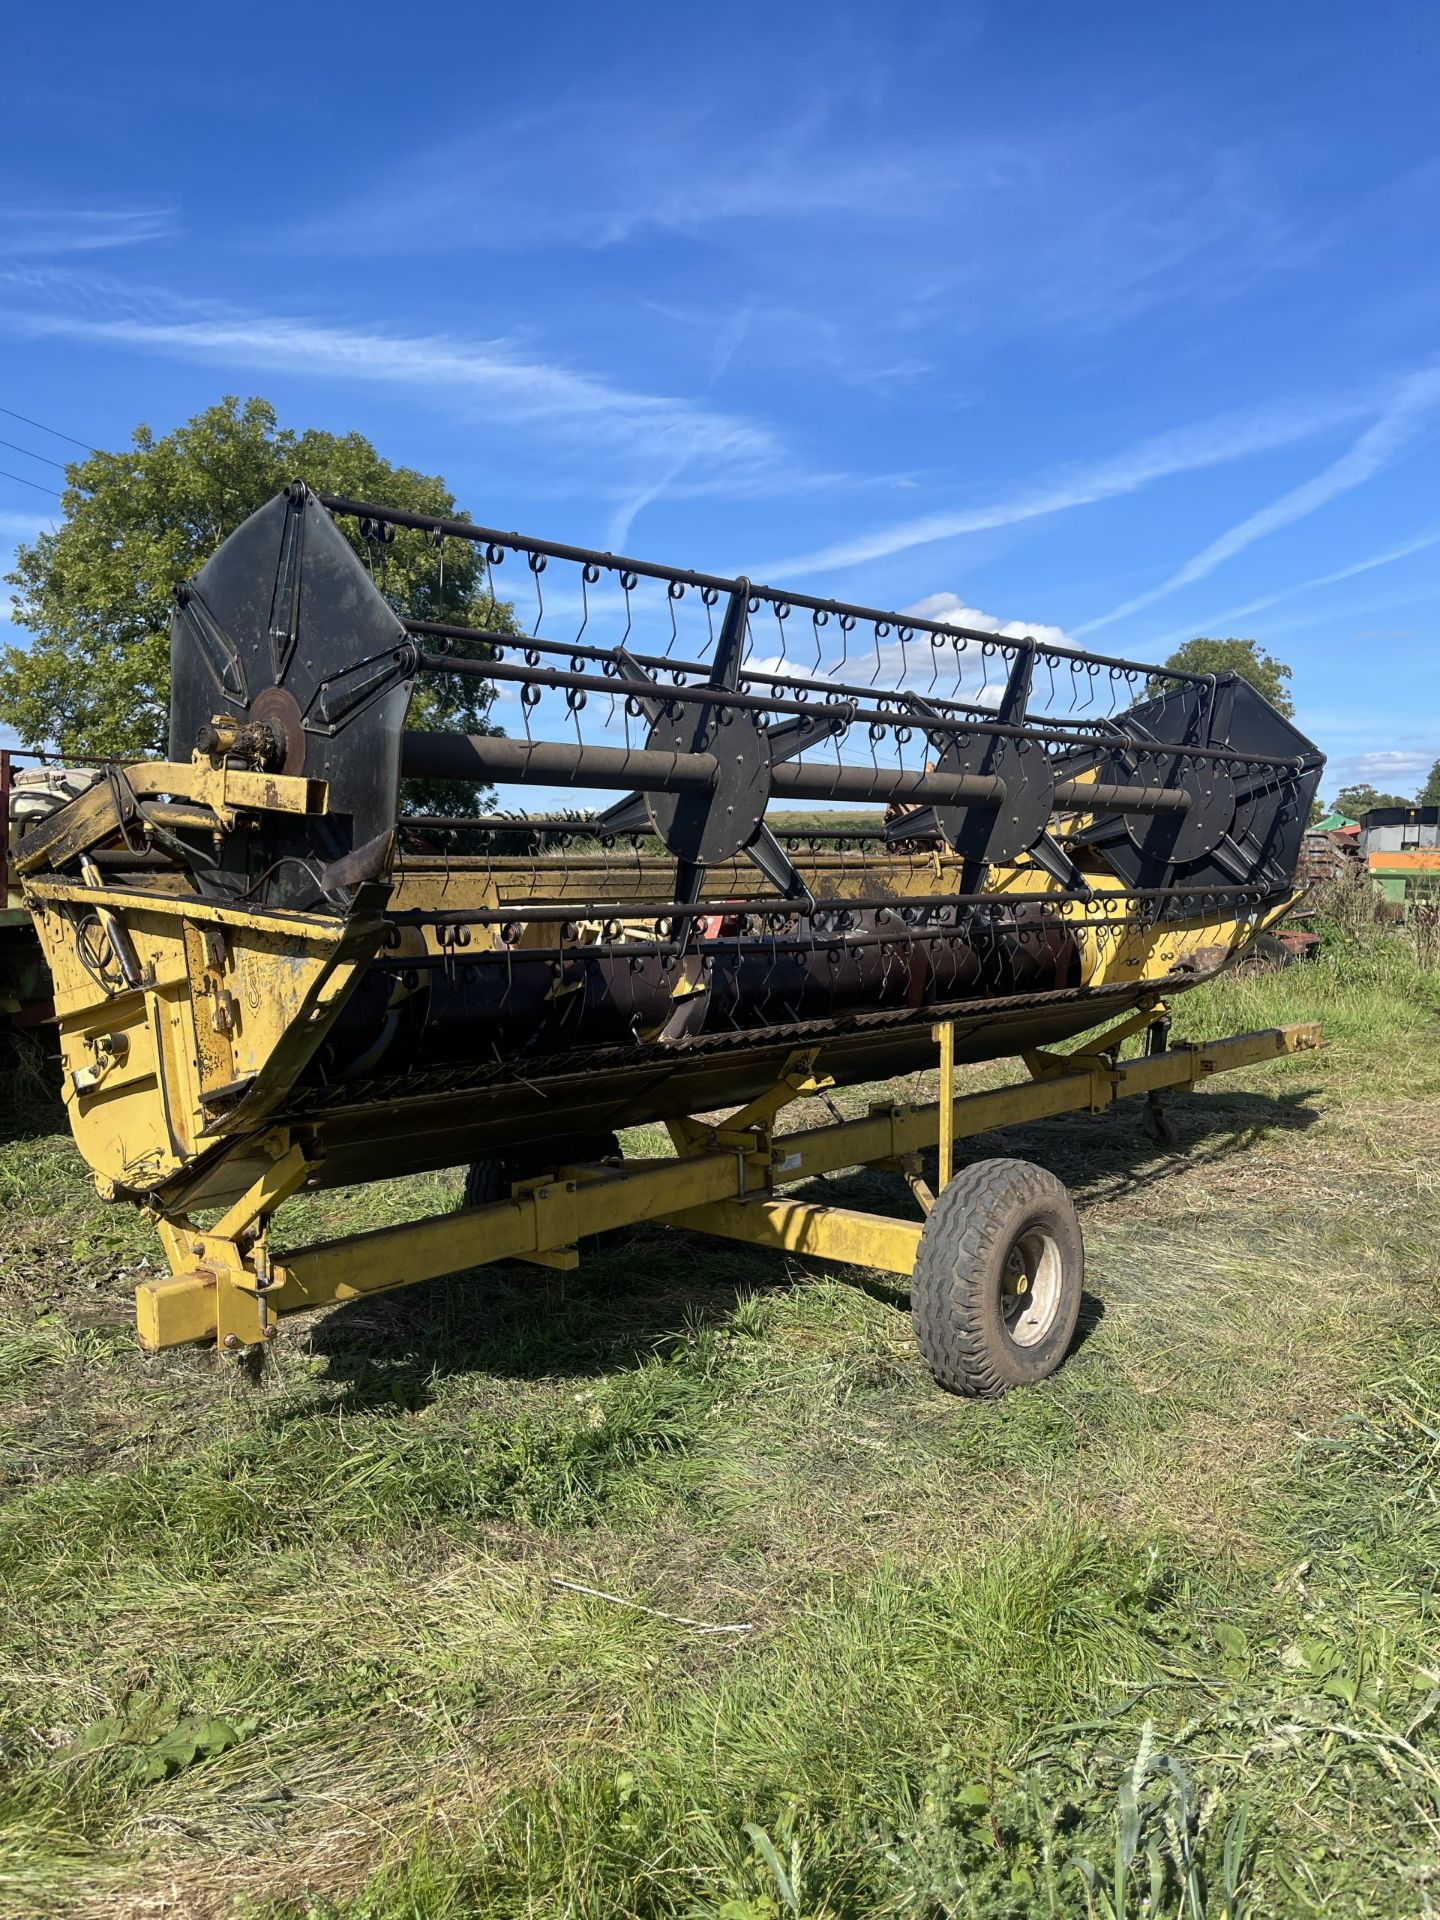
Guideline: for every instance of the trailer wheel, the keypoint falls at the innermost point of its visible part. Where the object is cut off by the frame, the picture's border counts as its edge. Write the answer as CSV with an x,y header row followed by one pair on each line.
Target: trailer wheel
x,y
1265,954
487,1180
998,1277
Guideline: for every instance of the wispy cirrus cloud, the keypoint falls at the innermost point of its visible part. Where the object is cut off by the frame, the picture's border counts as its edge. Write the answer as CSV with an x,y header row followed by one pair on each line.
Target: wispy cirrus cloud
x,y
1212,622
498,375
1400,418
37,231
887,233
1095,220
557,173
617,531
1210,443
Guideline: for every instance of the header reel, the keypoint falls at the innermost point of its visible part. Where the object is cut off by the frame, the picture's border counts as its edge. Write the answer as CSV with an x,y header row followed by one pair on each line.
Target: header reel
x,y
287,656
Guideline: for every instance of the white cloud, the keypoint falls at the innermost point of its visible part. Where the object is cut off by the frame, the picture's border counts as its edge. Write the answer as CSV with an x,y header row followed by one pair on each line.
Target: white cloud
x,y
950,608
1389,770
1398,421
973,672
1209,443
1389,766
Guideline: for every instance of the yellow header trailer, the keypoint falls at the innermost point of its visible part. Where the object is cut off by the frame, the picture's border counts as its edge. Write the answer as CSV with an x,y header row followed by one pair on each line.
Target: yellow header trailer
x,y
995,1311
270,975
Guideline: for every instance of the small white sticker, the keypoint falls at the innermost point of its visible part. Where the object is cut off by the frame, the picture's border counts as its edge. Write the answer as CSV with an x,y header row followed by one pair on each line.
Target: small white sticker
x,y
789,1163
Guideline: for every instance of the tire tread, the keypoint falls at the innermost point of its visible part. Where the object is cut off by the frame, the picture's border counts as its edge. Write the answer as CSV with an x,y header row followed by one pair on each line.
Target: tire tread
x,y
952,1268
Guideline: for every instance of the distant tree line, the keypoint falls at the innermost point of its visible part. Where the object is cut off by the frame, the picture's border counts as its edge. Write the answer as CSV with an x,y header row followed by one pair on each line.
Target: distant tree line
x,y
1355,801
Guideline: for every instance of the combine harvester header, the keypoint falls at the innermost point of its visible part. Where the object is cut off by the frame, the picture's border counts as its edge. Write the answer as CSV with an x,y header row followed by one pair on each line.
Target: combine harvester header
x,y
269,976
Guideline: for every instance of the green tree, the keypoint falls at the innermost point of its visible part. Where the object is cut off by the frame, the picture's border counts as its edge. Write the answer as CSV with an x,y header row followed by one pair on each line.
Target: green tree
x,y
1268,676
1429,794
1358,800
96,594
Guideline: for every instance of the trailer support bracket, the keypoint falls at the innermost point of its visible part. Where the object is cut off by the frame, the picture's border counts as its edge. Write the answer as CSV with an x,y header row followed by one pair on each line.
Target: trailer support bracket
x,y
225,1286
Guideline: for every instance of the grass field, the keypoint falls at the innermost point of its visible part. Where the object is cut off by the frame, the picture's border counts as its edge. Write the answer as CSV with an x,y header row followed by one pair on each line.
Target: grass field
x,y
1158,1637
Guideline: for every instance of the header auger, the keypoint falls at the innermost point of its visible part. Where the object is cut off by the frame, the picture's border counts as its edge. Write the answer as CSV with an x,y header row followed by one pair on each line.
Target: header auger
x,y
270,974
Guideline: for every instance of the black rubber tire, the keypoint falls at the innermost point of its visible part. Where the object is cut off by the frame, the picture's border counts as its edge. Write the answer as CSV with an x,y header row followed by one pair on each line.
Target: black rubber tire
x,y
971,1342
1265,952
487,1180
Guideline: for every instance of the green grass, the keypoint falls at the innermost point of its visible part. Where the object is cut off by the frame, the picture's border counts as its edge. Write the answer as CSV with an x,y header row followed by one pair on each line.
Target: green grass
x,y
1158,1637
834,819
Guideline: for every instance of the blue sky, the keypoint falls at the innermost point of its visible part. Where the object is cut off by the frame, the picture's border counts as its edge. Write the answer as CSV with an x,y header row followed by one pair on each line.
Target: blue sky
x,y
1116,320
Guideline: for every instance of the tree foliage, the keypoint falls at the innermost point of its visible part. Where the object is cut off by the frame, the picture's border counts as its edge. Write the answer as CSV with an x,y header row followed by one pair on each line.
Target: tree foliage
x,y
1268,676
1429,794
1358,800
96,594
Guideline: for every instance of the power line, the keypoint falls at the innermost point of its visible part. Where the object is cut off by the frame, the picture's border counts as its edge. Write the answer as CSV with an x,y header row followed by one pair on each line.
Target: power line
x,y
30,483
44,429
15,447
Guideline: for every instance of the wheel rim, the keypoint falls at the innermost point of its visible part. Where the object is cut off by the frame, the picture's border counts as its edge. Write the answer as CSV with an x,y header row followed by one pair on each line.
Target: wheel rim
x,y
1030,1287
